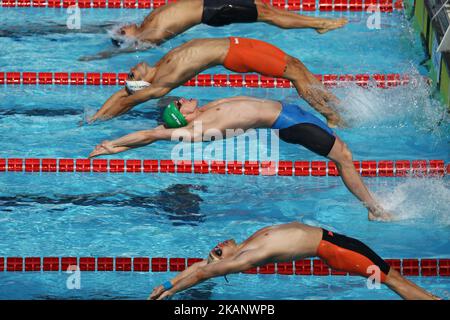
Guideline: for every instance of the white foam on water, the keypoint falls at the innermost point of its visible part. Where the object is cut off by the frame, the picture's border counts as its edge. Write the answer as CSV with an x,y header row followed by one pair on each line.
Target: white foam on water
x,y
418,198
128,42
400,106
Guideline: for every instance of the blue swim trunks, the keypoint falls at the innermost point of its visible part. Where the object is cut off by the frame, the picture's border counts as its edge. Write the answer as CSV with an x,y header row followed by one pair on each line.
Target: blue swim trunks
x,y
301,127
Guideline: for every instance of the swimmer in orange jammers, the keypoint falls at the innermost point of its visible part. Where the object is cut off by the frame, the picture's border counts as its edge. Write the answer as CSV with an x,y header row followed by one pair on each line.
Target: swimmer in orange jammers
x,y
181,64
288,242
174,18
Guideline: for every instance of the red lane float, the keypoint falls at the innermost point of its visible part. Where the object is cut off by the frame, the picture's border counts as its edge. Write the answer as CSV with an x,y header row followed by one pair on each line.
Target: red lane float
x,y
426,267
366,168
292,5
202,80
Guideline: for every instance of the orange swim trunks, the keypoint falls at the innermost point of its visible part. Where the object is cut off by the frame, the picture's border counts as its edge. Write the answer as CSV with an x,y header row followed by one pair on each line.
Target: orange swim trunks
x,y
249,55
351,255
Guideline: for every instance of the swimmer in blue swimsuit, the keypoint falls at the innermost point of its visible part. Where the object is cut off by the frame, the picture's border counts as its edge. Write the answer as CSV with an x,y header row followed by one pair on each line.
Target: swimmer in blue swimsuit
x,y
300,127
295,126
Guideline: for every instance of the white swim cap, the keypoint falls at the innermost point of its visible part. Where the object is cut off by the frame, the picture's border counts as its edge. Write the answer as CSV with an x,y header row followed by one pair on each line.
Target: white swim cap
x,y
134,86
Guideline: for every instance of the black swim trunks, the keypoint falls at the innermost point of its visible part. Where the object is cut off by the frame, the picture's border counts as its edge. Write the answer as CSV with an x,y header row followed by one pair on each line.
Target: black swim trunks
x,y
218,13
301,127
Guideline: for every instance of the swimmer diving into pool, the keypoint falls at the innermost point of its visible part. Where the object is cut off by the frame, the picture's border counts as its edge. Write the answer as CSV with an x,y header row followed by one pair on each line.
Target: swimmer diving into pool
x,y
285,243
236,54
185,118
172,19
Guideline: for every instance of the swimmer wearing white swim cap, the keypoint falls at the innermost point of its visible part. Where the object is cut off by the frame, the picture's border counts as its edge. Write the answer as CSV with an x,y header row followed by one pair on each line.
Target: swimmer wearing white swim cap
x,y
237,54
133,86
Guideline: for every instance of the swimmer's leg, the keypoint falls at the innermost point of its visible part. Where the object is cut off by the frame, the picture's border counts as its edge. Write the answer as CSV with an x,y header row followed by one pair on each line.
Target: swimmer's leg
x,y
351,255
405,288
289,20
342,157
312,90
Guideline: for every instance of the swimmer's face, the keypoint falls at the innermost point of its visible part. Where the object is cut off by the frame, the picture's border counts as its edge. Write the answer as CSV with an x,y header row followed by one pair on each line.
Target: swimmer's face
x,y
129,30
223,250
138,72
186,106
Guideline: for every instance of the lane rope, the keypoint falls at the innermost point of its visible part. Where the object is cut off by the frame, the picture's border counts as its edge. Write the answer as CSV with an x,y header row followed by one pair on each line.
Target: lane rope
x,y
366,168
312,267
292,5
379,80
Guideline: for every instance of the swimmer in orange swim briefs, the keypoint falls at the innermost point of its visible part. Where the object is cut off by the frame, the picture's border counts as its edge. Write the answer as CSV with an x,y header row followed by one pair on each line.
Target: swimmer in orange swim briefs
x,y
249,55
181,64
288,242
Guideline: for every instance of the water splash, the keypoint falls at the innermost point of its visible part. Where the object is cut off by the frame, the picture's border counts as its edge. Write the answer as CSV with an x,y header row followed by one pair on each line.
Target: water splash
x,y
396,107
126,42
418,199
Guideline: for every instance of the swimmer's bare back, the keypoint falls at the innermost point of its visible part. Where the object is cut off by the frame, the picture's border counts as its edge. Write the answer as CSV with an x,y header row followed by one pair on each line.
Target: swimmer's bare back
x,y
173,70
170,20
304,240
160,25
186,61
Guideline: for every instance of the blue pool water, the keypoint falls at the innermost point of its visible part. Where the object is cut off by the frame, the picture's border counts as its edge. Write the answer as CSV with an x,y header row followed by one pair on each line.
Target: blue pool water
x,y
184,215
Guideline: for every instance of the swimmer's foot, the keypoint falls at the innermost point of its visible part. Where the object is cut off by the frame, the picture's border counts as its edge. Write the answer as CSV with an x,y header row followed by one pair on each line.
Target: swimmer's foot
x,y
380,215
334,122
332,24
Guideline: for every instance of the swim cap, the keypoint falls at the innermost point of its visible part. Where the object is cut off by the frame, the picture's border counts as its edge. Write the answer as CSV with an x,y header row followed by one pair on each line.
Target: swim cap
x,y
173,117
134,86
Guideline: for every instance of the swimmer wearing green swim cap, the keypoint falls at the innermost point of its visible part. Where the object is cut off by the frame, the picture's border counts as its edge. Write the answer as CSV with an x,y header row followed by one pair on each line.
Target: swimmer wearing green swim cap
x,y
186,119
145,82
172,116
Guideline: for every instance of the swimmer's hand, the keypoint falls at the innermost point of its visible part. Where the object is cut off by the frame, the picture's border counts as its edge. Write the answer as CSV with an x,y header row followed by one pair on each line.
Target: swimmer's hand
x,y
103,148
159,293
98,56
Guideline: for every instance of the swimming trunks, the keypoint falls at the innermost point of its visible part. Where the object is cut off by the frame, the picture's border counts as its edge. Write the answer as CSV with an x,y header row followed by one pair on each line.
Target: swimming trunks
x,y
301,127
218,13
250,55
350,255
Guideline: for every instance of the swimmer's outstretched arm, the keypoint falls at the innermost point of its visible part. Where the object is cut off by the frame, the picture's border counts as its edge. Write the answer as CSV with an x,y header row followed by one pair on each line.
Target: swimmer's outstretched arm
x,y
131,141
157,291
110,53
143,138
121,102
214,269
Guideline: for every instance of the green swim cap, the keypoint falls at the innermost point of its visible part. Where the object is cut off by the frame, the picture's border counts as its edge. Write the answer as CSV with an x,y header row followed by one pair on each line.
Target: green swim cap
x,y
173,117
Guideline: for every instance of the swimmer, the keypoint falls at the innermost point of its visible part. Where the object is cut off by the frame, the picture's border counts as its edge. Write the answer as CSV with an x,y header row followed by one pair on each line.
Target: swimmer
x,y
172,19
295,126
285,243
243,55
